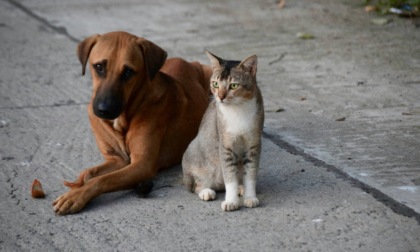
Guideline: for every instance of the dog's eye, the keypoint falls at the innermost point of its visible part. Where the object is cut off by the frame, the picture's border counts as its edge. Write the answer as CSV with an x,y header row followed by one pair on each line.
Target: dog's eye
x,y
127,74
99,68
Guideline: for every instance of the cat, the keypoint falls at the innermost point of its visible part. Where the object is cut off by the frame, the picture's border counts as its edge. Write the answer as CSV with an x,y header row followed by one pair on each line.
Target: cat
x,y
226,152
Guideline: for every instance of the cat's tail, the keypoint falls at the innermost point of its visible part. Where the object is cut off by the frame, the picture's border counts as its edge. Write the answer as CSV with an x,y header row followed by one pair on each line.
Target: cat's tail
x,y
189,183
187,177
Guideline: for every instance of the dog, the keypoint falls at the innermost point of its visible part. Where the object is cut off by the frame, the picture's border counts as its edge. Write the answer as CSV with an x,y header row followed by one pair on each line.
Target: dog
x,y
144,111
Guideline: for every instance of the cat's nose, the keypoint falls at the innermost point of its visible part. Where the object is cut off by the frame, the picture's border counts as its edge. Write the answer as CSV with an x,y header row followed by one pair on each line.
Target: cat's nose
x,y
222,96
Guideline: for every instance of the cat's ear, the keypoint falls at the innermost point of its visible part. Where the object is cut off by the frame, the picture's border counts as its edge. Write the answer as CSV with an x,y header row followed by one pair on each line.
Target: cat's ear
x,y
215,61
250,63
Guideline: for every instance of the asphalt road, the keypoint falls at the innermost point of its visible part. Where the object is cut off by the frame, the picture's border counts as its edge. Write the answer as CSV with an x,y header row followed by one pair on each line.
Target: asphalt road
x,y
340,168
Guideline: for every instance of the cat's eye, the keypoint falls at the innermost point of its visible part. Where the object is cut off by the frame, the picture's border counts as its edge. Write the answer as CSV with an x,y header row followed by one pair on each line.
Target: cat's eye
x,y
215,84
234,86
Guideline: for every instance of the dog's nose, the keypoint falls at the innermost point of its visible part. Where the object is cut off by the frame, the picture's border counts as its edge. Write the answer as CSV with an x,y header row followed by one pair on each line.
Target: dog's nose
x,y
106,109
103,110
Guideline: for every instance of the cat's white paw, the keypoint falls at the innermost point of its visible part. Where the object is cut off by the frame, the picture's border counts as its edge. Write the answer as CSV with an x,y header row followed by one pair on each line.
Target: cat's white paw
x,y
230,206
251,202
207,194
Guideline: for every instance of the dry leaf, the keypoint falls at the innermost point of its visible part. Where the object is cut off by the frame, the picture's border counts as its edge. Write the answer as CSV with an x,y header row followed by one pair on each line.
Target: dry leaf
x,y
281,4
36,190
370,8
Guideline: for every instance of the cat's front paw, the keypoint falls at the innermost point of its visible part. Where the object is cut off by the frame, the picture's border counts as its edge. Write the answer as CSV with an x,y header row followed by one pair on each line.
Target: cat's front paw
x,y
251,202
207,194
230,205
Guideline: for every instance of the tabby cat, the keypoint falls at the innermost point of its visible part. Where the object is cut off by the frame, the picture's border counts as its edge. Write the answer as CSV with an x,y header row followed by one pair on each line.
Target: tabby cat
x,y
225,154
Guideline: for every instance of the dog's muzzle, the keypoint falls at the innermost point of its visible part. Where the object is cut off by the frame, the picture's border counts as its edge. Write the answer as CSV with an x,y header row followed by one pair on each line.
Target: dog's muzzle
x,y
107,108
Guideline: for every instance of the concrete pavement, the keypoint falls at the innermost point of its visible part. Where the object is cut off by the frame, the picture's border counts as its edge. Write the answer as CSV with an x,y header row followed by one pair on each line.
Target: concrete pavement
x,y
325,184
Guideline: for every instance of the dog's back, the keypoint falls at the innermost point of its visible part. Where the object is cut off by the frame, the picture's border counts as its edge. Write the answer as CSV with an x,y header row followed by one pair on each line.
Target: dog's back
x,y
190,88
179,69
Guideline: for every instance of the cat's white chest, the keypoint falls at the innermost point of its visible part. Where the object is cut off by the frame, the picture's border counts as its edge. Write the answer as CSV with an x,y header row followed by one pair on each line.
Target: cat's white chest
x,y
239,119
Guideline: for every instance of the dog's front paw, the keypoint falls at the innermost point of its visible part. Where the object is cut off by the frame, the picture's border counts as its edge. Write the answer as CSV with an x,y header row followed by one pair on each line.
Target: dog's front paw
x,y
251,202
71,202
84,177
207,194
230,205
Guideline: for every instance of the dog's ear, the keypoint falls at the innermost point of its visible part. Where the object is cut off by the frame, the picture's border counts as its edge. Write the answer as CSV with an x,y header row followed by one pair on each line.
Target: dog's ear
x,y
154,56
84,48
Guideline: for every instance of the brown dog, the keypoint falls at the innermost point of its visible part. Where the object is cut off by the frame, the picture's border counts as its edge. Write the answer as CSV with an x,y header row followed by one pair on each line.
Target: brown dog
x,y
144,112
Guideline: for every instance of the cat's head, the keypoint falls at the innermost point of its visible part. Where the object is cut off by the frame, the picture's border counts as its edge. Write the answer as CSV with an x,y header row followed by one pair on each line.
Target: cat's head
x,y
233,82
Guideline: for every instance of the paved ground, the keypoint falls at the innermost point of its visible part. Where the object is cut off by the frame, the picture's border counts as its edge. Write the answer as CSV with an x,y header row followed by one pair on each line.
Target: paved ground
x,y
325,184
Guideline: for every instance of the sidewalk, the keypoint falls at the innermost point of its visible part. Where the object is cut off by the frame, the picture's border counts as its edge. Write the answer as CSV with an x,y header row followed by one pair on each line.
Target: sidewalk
x,y
340,165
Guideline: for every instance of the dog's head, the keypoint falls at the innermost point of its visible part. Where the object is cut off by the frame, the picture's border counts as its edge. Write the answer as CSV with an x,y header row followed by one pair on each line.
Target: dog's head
x,y
118,61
